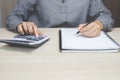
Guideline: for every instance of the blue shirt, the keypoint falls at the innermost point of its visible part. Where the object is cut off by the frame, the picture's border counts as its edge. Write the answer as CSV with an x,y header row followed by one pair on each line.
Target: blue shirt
x,y
58,13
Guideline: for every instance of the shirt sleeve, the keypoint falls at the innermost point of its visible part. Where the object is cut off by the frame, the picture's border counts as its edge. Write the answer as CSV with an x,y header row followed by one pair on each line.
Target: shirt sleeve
x,y
106,19
19,13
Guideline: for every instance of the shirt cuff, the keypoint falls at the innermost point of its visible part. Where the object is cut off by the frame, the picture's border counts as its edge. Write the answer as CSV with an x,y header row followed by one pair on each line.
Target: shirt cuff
x,y
107,25
14,25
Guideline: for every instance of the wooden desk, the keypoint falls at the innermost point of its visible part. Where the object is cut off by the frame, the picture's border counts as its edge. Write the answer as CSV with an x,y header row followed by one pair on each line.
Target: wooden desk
x,y
47,63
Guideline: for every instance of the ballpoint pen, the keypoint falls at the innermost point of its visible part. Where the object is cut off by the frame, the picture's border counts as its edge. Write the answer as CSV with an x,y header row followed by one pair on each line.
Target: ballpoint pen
x,y
92,19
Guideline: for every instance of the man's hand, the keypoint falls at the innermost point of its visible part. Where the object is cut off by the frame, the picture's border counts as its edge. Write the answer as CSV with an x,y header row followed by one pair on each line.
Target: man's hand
x,y
91,30
28,28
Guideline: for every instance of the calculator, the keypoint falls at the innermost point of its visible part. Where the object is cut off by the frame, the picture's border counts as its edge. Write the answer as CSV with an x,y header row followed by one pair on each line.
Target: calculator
x,y
26,40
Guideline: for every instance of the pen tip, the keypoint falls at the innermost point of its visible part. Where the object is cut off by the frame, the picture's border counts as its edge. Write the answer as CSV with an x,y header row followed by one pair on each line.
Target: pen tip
x,y
78,32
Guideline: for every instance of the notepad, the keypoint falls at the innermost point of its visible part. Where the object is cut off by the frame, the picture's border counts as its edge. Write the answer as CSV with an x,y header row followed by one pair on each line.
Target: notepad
x,y
70,42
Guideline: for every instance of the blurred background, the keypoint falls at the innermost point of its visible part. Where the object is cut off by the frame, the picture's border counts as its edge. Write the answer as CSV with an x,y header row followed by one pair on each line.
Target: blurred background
x,y
0,16
112,5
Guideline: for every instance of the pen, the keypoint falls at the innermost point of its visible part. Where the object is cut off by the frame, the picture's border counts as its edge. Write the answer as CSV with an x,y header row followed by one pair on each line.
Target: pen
x,y
92,19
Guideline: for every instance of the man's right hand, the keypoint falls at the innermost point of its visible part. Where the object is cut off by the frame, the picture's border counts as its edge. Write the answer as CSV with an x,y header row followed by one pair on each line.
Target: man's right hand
x,y
28,28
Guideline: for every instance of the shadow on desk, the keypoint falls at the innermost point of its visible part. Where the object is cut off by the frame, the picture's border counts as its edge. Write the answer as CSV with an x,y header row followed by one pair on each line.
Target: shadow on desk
x,y
17,49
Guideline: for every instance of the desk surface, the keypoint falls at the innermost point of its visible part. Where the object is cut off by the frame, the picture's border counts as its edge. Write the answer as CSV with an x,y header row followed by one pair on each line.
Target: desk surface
x,y
48,63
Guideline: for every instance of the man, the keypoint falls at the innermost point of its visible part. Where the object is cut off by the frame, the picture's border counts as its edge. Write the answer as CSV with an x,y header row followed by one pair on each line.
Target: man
x,y
28,15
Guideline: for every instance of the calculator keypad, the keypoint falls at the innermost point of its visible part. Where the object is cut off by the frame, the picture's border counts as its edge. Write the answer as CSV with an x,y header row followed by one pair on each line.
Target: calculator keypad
x,y
30,37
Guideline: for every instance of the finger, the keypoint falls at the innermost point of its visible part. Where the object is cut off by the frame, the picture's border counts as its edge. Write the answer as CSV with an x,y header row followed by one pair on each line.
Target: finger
x,y
90,31
35,30
40,33
20,29
94,33
80,26
30,28
87,28
25,27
